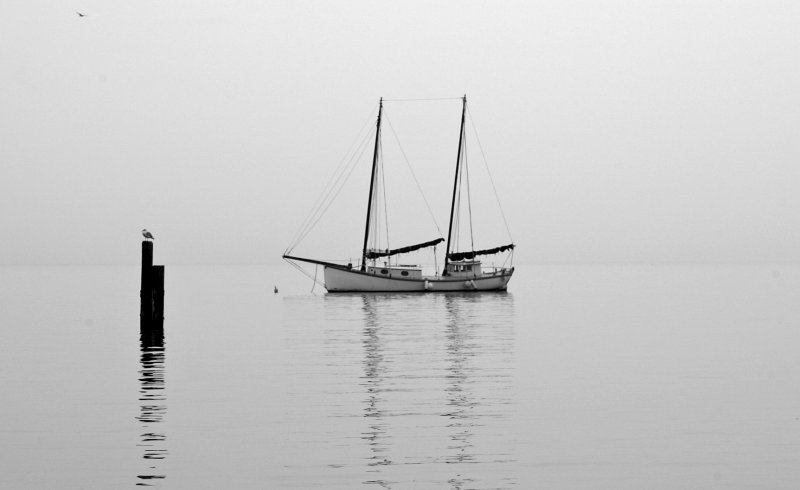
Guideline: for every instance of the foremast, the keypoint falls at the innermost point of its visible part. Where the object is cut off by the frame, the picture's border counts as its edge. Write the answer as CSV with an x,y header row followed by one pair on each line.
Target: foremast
x,y
372,184
455,183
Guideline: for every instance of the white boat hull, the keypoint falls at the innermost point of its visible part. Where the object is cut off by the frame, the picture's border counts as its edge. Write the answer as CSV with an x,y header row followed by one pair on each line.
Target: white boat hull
x,y
350,280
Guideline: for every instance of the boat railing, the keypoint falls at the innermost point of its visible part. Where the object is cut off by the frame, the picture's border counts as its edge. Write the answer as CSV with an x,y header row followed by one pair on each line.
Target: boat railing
x,y
496,271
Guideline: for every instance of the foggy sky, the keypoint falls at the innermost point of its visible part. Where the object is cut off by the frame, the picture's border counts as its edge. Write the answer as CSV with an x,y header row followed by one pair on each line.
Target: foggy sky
x,y
616,131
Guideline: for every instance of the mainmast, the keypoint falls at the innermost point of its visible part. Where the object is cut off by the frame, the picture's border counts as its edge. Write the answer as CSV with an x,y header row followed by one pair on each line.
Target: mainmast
x,y
372,183
455,183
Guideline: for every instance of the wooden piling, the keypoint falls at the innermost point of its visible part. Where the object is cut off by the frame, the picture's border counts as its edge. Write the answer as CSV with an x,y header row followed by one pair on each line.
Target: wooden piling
x,y
157,288
151,316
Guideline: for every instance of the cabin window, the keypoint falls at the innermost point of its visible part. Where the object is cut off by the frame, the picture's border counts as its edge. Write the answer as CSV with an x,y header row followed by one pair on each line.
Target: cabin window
x,y
467,267
384,271
404,273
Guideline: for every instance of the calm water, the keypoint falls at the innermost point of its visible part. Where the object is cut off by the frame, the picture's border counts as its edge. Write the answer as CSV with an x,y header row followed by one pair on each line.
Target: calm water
x,y
619,377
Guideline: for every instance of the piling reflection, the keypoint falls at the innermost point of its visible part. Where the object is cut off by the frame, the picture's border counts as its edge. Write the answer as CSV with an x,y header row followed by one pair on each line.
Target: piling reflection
x,y
153,405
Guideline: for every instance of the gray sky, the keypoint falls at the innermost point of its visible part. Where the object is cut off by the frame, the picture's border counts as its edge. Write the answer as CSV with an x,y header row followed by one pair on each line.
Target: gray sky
x,y
616,131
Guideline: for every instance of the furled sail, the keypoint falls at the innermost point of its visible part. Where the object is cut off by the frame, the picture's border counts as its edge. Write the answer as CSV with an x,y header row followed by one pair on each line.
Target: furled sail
x,y
471,255
375,254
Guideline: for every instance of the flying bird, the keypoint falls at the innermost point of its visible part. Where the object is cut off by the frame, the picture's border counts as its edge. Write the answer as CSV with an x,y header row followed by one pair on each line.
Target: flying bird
x,y
80,14
147,234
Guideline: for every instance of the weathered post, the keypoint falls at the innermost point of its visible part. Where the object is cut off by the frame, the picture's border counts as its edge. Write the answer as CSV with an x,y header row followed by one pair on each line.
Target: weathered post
x,y
157,288
151,316
147,265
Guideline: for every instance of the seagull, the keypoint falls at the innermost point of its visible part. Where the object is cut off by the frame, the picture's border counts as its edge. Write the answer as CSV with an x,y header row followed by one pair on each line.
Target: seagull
x,y
276,289
80,14
147,234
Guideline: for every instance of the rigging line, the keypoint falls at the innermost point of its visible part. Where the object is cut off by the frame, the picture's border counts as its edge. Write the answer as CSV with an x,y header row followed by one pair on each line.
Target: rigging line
x,y
331,184
509,259
465,192
324,201
421,100
385,207
340,169
325,205
469,198
456,210
491,179
375,215
303,271
381,191
332,199
334,186
375,218
414,175
457,218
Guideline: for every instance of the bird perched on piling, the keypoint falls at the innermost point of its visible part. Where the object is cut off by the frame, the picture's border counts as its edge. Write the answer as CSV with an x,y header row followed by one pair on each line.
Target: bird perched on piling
x,y
147,234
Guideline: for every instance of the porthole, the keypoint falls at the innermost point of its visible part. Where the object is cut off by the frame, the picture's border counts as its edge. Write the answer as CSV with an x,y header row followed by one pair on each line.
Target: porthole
x,y
404,273
384,271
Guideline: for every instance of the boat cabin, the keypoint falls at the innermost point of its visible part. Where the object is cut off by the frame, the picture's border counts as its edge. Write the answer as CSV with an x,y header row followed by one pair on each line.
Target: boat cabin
x,y
466,268
396,271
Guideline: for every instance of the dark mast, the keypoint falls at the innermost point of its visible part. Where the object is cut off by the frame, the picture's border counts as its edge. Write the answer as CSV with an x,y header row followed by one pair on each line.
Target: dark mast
x,y
372,184
455,184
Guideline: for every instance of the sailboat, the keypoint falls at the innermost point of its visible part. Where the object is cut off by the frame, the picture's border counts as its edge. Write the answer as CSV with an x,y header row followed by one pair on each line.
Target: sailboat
x,y
462,271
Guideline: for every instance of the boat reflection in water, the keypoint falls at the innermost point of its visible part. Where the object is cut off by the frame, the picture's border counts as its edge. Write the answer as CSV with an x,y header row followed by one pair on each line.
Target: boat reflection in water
x,y
374,372
437,375
153,404
460,397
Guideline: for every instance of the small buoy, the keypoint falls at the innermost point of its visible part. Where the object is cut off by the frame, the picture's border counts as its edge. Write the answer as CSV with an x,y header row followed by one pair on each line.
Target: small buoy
x,y
427,286
276,289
